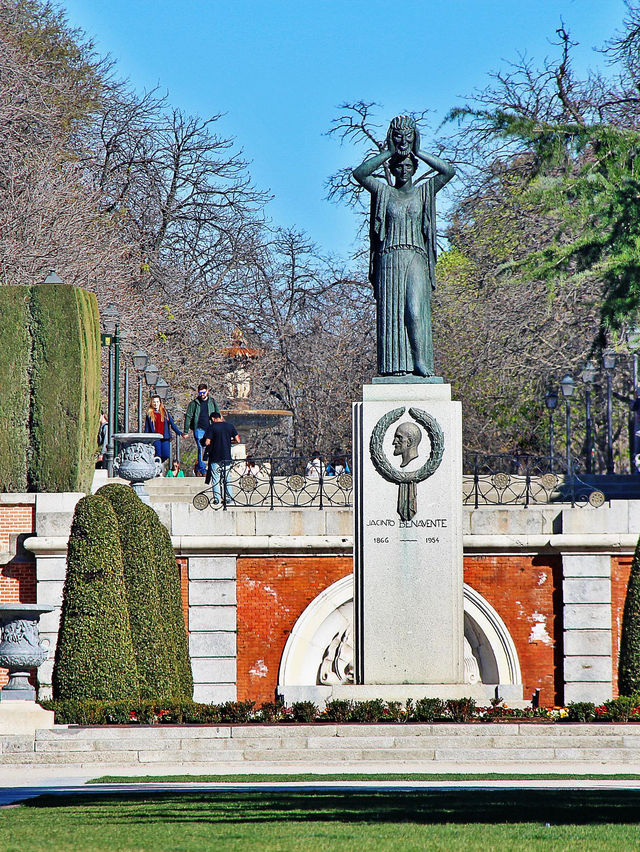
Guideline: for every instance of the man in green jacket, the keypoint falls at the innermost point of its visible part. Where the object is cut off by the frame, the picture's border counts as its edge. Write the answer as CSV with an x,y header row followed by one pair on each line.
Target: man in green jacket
x,y
197,418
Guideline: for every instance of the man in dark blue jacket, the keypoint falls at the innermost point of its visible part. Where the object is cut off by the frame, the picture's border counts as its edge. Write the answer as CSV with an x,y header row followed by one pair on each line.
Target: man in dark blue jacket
x,y
218,439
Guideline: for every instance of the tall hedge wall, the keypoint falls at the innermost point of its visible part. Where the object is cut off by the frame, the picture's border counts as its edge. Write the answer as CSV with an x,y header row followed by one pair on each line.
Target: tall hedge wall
x,y
65,382
94,656
15,392
49,387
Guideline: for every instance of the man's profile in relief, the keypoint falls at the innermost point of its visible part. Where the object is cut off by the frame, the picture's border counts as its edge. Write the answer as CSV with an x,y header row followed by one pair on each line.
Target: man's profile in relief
x,y
405,442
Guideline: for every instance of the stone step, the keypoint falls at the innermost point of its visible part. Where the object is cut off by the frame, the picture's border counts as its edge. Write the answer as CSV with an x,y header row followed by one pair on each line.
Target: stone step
x,y
479,745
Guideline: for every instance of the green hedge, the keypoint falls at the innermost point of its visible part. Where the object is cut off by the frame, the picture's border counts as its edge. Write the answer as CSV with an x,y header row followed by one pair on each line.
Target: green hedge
x,y
50,388
135,528
15,392
170,596
65,388
94,656
629,663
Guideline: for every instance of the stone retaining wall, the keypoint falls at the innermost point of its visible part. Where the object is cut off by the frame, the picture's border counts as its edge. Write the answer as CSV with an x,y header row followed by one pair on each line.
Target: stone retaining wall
x,y
402,747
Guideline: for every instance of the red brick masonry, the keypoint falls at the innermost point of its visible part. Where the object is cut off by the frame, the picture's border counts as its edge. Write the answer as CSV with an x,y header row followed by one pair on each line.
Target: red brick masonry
x,y
273,593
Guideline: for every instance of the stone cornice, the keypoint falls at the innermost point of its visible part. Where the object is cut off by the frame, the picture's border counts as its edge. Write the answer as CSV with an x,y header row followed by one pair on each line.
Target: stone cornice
x,y
43,546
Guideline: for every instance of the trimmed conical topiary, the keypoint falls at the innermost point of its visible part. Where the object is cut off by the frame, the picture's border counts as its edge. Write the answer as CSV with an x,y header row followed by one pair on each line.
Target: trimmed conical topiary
x,y
94,656
151,649
629,664
171,608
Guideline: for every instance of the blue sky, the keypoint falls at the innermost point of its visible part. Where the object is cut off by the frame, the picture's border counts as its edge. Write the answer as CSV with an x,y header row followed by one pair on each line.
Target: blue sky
x,y
278,69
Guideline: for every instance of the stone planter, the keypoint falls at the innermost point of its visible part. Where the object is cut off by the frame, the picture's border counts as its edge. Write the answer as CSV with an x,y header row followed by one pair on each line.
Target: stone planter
x,y
20,648
137,461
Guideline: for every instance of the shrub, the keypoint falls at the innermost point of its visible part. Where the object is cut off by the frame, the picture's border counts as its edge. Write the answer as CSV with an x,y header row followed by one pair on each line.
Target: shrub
x,y
170,603
461,709
236,711
65,388
338,710
581,711
620,709
271,711
304,711
152,649
94,657
367,711
394,711
629,663
15,393
428,709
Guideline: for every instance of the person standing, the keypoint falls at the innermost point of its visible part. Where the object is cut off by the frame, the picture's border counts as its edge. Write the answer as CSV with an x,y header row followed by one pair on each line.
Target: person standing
x,y
217,440
160,421
197,417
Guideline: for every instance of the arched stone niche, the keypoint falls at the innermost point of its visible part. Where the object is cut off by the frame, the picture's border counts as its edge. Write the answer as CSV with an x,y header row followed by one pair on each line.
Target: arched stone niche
x,y
318,649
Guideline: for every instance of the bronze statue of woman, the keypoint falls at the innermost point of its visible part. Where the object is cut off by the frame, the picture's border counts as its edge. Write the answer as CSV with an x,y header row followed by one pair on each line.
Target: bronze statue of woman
x,y
403,249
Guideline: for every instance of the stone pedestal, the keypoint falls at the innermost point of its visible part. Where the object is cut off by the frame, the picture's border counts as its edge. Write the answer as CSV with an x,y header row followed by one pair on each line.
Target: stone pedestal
x,y
23,717
408,572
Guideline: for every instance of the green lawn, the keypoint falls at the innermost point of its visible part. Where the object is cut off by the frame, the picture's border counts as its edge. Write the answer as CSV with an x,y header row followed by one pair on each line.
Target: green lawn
x,y
325,821
280,778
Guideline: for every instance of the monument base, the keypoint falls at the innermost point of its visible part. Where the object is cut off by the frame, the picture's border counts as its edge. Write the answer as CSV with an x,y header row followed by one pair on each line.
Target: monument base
x,y
24,717
408,579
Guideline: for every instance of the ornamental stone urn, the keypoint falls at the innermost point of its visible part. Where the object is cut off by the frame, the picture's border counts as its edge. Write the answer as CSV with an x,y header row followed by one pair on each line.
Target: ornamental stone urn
x,y
20,648
137,460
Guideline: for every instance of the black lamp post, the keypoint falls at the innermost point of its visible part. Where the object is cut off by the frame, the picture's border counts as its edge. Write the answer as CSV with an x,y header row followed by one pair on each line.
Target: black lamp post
x,y
110,321
151,374
551,401
568,386
162,388
140,359
609,364
151,377
588,376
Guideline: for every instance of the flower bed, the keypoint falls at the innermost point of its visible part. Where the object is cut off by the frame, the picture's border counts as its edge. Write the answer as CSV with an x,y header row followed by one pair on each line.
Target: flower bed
x,y
462,710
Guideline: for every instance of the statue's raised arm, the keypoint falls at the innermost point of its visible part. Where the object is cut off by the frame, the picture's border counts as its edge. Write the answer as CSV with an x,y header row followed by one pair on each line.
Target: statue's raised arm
x,y
403,249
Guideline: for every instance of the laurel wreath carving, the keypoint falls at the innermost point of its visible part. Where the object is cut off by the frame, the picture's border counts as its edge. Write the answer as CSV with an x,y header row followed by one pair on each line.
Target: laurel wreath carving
x,y
382,463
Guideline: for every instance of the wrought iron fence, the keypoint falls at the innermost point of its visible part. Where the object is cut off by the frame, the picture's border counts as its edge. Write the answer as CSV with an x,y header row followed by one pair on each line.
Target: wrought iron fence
x,y
520,478
489,479
272,482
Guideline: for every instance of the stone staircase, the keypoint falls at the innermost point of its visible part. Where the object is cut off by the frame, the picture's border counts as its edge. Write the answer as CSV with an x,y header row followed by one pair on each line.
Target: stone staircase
x,y
169,490
330,747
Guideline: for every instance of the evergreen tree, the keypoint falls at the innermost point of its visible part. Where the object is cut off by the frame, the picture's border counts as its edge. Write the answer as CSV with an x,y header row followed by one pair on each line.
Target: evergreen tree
x,y
629,664
171,608
150,646
94,656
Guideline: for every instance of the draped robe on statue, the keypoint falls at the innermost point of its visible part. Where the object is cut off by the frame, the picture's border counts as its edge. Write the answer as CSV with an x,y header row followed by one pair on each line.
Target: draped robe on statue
x,y
403,255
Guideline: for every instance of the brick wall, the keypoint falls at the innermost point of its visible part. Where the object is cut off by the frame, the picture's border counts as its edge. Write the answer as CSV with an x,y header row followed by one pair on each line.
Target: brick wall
x,y
14,520
18,574
620,570
183,568
272,594
526,592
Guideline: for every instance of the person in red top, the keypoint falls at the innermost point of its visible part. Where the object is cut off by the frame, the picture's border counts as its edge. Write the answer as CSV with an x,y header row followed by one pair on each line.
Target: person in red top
x,y
160,421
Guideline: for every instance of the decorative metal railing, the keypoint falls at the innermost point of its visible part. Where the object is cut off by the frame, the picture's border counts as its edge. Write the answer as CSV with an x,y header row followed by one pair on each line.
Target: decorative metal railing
x,y
503,479
274,482
499,479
